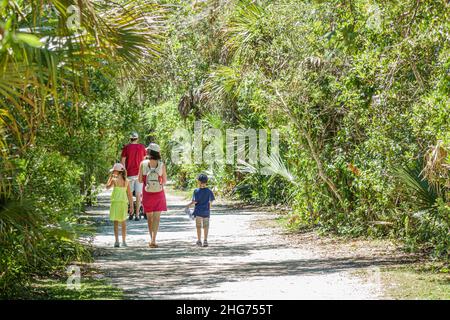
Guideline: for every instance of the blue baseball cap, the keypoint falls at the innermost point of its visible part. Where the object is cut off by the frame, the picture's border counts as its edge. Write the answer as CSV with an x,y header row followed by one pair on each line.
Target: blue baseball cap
x,y
203,178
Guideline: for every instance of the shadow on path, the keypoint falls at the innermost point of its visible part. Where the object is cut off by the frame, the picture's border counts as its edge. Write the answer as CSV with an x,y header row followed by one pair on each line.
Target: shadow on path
x,y
241,263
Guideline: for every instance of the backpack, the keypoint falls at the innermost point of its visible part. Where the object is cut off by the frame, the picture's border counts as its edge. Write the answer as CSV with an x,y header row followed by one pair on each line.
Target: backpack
x,y
153,183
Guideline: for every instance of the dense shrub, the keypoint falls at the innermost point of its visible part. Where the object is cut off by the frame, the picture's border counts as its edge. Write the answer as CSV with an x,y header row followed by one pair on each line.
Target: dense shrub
x,y
52,182
357,90
38,231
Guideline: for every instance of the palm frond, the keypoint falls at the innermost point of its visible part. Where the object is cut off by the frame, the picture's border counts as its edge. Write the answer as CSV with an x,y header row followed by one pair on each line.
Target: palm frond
x,y
245,28
191,101
245,167
273,165
435,169
223,81
42,58
425,194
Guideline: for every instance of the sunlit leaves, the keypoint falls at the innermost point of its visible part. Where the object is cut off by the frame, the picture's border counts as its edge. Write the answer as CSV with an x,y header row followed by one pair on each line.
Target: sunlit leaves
x,y
44,59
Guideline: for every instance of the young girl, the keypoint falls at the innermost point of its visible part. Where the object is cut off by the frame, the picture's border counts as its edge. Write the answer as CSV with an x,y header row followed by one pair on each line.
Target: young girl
x,y
120,198
153,196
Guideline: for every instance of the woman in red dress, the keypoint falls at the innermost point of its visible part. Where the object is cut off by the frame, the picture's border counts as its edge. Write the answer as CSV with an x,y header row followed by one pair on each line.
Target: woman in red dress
x,y
152,173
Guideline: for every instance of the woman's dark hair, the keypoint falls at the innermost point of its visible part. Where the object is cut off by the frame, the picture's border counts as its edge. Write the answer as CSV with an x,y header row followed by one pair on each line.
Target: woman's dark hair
x,y
154,155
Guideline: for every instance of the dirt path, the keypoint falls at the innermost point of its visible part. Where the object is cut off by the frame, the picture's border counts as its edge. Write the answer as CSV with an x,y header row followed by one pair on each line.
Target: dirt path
x,y
244,261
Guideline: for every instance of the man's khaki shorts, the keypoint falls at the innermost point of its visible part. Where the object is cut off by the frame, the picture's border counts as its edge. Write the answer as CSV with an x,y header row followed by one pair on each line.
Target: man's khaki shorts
x,y
201,222
135,185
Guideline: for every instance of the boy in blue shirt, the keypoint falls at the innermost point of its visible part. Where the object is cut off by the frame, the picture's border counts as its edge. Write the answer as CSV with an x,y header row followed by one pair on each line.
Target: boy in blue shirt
x,y
202,199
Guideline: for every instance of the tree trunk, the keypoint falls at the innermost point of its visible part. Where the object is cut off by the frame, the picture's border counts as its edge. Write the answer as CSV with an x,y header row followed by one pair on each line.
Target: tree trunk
x,y
330,184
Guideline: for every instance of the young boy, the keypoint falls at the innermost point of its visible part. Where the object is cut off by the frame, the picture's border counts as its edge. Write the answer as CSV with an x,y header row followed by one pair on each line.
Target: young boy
x,y
202,199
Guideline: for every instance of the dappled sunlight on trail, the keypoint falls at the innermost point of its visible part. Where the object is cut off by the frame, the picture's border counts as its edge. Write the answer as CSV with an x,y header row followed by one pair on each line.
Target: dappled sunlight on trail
x,y
243,261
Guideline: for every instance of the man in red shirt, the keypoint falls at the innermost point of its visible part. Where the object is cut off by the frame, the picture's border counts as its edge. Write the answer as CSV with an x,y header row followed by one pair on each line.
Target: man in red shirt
x,y
132,156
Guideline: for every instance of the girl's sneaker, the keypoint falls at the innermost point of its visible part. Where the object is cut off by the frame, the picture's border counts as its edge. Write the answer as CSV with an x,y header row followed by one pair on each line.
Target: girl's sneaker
x,y
199,243
124,244
116,245
205,243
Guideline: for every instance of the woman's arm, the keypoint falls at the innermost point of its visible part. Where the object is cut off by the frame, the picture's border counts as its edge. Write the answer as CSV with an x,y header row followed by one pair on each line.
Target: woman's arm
x,y
164,175
140,178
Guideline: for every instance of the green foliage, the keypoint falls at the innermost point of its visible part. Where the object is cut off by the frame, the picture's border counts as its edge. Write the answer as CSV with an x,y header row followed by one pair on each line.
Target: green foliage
x,y
357,90
90,289
38,232
44,171
430,223
66,108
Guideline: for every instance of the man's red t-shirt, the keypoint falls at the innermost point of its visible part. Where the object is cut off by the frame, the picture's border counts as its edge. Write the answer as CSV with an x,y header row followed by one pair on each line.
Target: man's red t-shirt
x,y
135,153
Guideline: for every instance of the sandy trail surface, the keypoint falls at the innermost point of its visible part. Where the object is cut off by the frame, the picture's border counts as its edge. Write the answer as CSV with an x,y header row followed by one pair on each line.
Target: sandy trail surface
x,y
245,260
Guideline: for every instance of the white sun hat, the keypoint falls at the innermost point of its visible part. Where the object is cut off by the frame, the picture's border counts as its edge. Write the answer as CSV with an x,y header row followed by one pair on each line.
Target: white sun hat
x,y
117,167
153,147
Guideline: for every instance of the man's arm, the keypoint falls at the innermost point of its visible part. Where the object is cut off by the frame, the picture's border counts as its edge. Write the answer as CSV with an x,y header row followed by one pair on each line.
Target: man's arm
x,y
124,156
130,199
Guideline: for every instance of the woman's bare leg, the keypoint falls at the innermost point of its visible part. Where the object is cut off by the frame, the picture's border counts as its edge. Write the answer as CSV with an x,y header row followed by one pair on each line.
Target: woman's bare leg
x,y
156,218
150,224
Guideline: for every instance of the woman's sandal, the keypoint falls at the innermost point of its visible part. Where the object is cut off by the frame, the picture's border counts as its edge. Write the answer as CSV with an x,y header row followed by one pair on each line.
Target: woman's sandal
x,y
153,245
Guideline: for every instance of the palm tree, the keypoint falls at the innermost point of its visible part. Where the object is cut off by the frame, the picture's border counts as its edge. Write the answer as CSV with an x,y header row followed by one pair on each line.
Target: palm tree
x,y
47,48
48,51
245,29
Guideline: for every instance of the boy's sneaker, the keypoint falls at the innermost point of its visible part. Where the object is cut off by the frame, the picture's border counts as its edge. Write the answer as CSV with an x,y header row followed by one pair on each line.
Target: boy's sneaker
x,y
136,218
116,245
205,243
124,244
130,217
199,243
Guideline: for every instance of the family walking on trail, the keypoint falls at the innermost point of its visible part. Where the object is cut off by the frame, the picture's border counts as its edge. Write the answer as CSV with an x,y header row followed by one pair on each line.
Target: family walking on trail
x,y
142,172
